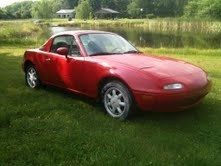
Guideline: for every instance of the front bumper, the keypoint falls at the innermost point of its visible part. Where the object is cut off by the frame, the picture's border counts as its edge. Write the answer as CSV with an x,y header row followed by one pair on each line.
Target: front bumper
x,y
170,102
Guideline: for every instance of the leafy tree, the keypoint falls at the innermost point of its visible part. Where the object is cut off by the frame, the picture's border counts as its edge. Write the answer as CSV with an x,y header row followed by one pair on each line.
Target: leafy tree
x,y
133,9
191,10
168,8
95,5
121,6
69,4
203,8
3,14
108,4
19,10
83,10
140,8
42,9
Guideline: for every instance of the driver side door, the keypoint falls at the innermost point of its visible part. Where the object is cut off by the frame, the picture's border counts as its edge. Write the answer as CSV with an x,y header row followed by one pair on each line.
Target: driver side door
x,y
64,71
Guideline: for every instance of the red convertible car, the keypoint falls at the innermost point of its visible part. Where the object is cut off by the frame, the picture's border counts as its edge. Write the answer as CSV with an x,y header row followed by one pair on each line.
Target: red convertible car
x,y
105,66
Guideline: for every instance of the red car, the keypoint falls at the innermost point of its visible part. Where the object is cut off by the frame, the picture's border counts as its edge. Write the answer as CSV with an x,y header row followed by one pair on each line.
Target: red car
x,y
105,66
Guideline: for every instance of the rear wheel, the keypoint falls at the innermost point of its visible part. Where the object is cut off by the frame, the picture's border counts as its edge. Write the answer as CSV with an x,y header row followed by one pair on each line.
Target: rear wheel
x,y
117,100
31,77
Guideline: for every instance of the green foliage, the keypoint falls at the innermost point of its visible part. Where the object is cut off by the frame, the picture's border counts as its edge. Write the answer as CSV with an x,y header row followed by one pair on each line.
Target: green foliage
x,y
161,8
134,9
121,6
127,8
95,5
169,8
203,9
3,14
19,10
68,4
191,9
83,10
150,16
42,9
25,33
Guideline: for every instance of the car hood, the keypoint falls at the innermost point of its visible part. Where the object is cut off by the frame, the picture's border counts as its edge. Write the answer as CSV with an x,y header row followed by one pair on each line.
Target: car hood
x,y
157,66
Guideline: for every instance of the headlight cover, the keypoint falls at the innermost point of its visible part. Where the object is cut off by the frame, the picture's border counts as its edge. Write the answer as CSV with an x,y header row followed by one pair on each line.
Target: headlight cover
x,y
175,86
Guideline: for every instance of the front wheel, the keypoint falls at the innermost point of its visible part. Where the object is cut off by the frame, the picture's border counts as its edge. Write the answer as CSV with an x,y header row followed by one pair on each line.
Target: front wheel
x,y
31,77
117,100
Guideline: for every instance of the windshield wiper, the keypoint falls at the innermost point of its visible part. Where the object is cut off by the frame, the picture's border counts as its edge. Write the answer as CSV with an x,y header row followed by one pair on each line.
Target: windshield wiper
x,y
132,51
103,53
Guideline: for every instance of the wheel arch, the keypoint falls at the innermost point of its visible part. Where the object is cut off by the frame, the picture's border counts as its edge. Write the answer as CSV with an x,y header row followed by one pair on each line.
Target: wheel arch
x,y
110,78
28,63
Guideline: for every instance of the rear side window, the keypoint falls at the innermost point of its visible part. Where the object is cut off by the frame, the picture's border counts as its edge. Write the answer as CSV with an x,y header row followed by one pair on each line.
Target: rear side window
x,y
68,42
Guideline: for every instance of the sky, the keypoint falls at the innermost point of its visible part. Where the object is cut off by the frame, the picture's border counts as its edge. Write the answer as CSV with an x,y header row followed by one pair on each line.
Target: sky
x,y
4,3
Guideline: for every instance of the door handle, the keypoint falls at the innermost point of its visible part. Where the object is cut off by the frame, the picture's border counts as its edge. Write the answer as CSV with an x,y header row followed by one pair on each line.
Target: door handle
x,y
48,59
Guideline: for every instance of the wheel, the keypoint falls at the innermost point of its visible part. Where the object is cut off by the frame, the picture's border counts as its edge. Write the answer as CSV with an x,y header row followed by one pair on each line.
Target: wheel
x,y
31,77
117,100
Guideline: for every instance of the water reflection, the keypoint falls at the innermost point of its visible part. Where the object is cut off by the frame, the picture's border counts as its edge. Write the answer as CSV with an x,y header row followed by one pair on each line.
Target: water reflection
x,y
143,38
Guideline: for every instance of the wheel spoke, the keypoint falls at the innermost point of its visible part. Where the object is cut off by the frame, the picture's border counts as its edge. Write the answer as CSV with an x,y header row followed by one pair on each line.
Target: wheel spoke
x,y
109,96
122,104
119,110
33,82
119,96
114,92
114,110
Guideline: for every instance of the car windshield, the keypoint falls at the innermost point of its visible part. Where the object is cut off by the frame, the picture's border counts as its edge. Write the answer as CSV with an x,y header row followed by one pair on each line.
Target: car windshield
x,y
106,44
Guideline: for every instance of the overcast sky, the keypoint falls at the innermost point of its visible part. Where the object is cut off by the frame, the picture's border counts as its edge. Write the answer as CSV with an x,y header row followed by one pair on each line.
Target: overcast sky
x,y
4,3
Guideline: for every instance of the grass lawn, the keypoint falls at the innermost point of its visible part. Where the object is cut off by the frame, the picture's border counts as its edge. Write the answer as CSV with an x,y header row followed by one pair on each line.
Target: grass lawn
x,y
49,126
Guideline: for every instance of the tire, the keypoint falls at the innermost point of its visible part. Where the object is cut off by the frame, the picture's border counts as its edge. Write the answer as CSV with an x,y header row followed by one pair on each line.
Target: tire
x,y
31,77
117,100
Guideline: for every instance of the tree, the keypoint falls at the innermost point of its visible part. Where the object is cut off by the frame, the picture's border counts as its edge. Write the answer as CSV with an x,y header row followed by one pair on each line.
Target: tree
x,y
2,14
191,9
133,9
83,10
19,10
42,9
108,4
121,6
95,5
69,4
203,8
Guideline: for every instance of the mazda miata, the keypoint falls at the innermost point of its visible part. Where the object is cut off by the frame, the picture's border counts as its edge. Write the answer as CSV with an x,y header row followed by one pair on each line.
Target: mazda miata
x,y
103,65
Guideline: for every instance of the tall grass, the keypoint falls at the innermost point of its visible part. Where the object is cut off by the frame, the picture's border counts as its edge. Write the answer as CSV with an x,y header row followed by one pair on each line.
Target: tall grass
x,y
158,25
24,33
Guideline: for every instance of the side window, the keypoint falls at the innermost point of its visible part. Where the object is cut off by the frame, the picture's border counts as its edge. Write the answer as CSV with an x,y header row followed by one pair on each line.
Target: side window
x,y
68,42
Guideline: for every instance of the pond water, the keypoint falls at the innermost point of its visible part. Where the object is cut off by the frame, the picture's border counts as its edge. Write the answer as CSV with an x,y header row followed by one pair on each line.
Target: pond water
x,y
143,38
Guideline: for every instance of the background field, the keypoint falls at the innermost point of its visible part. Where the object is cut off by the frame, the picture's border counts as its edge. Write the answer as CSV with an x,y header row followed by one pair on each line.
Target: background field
x,y
49,126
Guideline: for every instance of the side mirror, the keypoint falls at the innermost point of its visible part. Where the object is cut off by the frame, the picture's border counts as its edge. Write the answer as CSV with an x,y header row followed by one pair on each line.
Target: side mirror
x,y
62,51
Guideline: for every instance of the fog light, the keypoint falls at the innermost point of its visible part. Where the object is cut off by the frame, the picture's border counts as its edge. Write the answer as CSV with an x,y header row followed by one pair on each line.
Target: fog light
x,y
175,86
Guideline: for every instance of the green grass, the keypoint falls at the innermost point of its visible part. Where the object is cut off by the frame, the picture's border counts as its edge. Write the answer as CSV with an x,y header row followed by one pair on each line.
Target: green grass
x,y
52,127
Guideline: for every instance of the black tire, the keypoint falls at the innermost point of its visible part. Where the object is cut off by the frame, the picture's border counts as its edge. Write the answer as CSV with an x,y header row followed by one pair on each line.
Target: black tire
x,y
117,100
34,81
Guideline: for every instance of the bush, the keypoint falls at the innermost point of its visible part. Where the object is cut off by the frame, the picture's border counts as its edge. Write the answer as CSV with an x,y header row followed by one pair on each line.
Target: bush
x,y
150,16
83,10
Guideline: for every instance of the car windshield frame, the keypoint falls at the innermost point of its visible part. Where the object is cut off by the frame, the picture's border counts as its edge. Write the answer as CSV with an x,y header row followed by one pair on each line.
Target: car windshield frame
x,y
133,49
